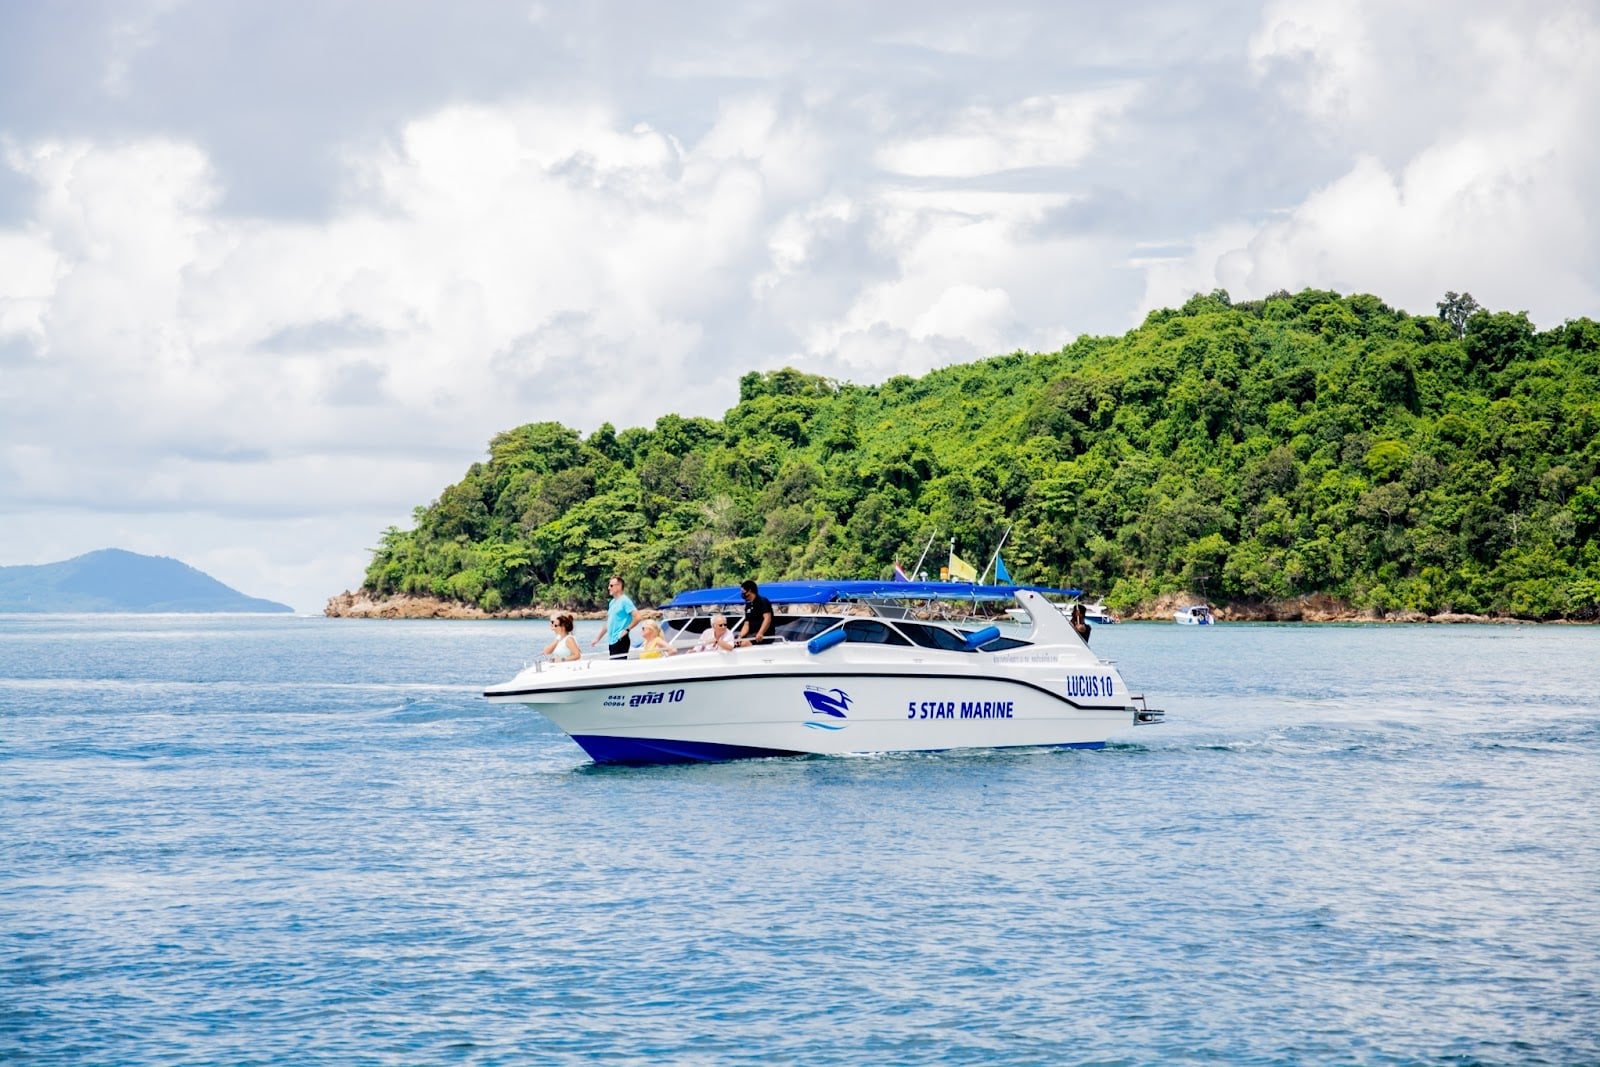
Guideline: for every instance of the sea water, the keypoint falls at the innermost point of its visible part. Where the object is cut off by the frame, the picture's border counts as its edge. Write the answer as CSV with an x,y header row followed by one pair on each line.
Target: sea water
x,y
298,840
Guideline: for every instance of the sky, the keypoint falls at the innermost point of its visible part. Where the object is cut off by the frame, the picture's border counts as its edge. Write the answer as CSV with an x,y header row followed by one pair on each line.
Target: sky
x,y
273,273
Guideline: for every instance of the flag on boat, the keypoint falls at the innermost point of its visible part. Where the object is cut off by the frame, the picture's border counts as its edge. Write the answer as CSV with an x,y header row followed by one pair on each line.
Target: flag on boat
x,y
961,570
1001,575
899,573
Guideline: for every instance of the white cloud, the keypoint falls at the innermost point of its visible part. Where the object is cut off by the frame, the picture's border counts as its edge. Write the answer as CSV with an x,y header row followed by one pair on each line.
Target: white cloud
x,y
1326,53
974,274
1498,201
493,266
966,311
488,226
29,268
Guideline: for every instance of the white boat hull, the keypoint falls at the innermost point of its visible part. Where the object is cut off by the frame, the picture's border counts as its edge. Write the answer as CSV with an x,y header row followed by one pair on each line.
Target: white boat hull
x,y
755,702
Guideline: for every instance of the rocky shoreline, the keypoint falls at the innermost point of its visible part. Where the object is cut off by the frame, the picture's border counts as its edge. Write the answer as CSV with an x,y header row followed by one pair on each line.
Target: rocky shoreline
x,y
362,605
1314,608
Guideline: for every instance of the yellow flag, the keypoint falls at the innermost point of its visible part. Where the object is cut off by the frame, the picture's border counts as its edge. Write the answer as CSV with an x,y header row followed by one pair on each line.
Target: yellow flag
x,y
961,570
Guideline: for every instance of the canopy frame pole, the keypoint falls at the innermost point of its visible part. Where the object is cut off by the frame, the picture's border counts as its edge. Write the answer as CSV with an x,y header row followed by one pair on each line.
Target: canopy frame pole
x,y
996,555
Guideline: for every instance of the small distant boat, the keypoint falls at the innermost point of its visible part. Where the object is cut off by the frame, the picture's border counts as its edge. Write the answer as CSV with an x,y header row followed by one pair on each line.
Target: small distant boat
x,y
1195,615
1098,614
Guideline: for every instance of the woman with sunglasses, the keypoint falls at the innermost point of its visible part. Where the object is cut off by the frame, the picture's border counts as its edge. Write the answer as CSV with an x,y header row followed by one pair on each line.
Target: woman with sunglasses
x,y
565,646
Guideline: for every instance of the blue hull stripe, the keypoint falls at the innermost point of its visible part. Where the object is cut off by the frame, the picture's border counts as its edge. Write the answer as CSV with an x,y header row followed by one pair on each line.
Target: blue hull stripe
x,y
605,749
645,750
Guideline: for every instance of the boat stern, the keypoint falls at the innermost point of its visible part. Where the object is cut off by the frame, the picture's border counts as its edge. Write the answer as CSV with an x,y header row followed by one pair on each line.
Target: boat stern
x,y
1143,714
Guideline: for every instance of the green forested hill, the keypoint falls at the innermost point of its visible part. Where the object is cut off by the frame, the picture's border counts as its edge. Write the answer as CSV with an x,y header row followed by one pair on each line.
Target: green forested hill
x,y
1307,443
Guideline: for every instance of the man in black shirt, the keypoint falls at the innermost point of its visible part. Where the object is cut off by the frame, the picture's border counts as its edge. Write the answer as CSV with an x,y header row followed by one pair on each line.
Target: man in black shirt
x,y
757,624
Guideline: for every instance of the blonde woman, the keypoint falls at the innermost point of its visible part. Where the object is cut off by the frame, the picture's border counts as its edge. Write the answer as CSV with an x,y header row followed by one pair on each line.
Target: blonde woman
x,y
565,646
655,646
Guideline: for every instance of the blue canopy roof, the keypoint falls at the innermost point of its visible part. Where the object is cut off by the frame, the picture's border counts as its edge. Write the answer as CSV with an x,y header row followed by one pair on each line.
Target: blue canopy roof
x,y
824,592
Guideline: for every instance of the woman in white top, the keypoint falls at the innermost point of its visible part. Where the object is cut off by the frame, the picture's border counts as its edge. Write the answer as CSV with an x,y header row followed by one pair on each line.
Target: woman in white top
x,y
564,647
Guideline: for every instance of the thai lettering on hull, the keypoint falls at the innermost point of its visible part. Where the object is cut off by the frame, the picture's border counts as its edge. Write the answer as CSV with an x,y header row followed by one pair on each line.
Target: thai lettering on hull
x,y
651,696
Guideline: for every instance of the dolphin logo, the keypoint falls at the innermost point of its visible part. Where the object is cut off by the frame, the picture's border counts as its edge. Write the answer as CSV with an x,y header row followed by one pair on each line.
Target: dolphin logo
x,y
828,701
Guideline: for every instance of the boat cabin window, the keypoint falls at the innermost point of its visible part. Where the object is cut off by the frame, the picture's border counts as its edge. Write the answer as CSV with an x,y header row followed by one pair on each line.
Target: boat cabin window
x,y
802,627
872,632
934,636
1000,644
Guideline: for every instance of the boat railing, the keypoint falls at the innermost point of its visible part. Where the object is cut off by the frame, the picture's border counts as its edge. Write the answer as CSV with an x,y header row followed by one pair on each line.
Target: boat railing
x,y
1144,715
688,648
539,663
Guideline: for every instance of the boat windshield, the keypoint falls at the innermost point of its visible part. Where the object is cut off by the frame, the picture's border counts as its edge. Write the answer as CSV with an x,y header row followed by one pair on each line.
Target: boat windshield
x,y
872,632
865,631
803,627
934,636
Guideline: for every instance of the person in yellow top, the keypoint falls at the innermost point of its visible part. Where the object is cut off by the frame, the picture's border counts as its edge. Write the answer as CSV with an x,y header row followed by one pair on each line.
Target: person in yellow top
x,y
655,646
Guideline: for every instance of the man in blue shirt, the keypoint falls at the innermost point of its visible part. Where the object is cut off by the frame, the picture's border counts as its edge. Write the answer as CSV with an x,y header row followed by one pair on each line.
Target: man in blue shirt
x,y
621,617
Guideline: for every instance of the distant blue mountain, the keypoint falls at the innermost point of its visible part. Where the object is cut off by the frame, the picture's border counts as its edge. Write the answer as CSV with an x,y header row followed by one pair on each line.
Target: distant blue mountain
x,y
112,580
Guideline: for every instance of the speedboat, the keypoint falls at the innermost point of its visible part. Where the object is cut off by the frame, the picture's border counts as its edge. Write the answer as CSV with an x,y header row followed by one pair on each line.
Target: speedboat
x,y
853,667
1195,615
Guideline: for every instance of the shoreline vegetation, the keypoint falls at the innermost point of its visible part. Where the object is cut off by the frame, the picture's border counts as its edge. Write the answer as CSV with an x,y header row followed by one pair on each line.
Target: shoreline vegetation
x,y
1306,456
1315,608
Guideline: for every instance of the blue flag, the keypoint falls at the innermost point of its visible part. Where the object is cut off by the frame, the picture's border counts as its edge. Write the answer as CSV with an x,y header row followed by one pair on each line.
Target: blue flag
x,y
1001,575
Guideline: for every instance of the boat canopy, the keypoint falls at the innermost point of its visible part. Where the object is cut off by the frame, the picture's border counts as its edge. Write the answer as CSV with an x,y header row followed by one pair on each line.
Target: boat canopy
x,y
825,592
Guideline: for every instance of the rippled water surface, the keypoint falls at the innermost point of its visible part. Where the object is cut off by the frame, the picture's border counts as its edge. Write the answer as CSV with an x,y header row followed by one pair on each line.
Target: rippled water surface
x,y
292,840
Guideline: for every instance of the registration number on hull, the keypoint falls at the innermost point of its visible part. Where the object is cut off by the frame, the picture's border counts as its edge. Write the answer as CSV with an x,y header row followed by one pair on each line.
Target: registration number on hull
x,y
1090,685
649,696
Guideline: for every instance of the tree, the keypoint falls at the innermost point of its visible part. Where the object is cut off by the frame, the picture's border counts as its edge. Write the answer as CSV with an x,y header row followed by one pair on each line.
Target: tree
x,y
1456,309
1496,341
